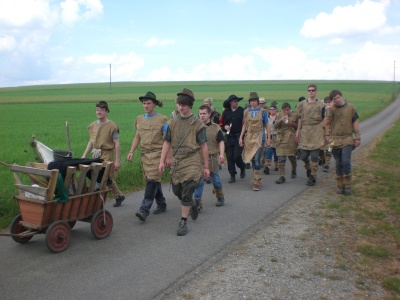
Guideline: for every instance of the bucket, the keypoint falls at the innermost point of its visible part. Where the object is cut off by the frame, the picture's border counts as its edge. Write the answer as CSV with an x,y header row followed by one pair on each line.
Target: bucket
x,y
60,155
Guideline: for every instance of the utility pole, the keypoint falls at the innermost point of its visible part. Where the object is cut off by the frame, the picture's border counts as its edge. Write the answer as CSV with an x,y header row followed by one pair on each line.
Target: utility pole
x,y
110,79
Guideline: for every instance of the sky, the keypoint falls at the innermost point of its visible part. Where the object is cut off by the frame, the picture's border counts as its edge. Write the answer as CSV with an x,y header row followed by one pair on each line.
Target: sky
x,y
82,41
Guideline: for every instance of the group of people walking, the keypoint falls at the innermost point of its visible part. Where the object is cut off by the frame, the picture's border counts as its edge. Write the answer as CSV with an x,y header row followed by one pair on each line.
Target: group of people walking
x,y
194,145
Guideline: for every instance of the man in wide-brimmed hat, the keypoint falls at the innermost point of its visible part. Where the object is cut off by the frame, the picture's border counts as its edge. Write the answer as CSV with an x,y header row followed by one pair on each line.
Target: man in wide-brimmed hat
x,y
253,137
149,130
186,140
104,144
231,122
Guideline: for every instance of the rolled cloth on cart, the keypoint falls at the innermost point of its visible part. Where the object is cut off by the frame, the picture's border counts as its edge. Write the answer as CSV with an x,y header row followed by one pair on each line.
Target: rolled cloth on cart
x,y
64,164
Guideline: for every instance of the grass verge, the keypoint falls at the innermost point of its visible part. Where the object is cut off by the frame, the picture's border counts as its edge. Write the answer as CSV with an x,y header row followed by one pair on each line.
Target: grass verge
x,y
364,228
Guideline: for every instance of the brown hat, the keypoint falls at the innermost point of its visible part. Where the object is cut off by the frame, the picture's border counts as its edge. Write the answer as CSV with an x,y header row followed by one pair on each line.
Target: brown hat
x,y
151,96
186,92
253,95
103,104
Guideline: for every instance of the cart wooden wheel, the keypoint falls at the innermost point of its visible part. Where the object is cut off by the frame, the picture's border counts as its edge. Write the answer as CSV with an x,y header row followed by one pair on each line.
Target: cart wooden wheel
x,y
17,228
58,236
71,224
101,229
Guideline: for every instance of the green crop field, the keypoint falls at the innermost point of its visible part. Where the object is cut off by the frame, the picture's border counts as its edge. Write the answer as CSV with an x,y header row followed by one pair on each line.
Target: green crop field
x,y
43,111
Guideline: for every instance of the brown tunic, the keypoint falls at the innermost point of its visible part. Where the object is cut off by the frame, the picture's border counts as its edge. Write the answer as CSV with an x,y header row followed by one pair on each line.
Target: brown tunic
x,y
186,152
274,135
253,137
101,137
312,132
341,119
151,143
285,144
213,146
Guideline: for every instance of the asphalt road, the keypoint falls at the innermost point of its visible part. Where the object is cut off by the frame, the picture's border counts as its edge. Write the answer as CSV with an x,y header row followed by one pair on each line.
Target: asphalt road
x,y
141,260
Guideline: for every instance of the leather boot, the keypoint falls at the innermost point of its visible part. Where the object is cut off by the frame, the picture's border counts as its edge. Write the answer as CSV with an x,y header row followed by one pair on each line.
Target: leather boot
x,y
314,170
307,166
347,180
256,180
339,185
267,166
293,162
220,197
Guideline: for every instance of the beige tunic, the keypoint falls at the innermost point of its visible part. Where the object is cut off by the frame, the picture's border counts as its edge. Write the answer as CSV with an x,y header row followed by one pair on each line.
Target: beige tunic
x,y
186,152
274,135
253,137
342,124
285,144
312,132
213,146
151,143
101,137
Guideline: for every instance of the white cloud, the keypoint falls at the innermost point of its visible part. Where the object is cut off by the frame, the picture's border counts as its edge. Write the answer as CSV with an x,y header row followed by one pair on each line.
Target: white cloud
x,y
363,17
371,62
233,67
24,14
7,43
96,67
157,42
73,11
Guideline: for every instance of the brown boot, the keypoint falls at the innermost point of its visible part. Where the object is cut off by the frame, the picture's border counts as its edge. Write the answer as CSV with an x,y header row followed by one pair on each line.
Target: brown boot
x,y
256,180
293,162
281,179
347,180
339,185
307,166
267,166
220,197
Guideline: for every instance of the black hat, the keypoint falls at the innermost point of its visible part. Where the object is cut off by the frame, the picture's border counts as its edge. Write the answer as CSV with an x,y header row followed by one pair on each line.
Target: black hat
x,y
151,96
302,98
227,102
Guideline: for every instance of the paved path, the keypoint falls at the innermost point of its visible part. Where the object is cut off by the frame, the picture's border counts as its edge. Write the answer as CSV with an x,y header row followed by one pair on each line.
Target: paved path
x,y
141,260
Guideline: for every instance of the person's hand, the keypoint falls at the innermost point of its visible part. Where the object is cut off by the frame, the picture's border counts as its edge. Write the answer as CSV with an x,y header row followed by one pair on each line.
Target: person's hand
x,y
357,143
327,139
206,173
161,167
221,159
129,156
297,137
117,164
227,127
168,162
268,142
240,142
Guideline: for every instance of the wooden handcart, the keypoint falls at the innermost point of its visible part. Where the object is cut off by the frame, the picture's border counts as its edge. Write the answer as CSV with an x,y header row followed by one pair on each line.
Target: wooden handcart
x,y
41,213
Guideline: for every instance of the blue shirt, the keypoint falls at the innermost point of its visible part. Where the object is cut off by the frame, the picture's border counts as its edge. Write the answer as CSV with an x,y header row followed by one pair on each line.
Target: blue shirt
x,y
163,128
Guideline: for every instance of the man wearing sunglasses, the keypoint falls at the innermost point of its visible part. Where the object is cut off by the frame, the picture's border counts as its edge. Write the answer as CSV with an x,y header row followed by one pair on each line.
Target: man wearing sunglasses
x,y
310,132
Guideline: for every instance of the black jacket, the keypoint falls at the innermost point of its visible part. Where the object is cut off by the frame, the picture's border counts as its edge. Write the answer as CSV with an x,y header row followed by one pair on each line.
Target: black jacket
x,y
232,117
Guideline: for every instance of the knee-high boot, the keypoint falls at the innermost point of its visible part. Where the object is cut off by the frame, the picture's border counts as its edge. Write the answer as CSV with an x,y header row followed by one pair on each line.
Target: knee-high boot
x,y
347,180
339,185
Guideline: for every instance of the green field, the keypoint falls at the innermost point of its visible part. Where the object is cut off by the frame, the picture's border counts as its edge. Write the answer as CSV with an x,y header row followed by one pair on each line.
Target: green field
x,y
43,111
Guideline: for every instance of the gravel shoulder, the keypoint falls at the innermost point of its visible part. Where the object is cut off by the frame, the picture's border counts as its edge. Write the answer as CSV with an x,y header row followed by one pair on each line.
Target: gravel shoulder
x,y
284,257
